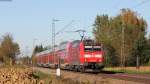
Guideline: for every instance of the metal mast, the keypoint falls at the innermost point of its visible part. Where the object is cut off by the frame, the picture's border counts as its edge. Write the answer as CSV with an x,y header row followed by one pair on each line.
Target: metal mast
x,y
53,38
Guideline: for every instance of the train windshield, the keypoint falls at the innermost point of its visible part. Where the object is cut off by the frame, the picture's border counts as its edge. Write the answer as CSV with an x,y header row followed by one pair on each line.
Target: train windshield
x,y
92,48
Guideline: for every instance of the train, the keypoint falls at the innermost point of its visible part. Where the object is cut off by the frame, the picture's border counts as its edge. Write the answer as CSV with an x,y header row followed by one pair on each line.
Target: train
x,y
77,55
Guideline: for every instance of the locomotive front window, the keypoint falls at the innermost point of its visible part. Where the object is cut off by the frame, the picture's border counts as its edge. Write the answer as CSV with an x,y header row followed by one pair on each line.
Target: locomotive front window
x,y
92,48
97,48
88,49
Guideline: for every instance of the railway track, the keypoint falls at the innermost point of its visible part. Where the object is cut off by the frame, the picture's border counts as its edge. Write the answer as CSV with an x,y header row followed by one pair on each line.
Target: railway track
x,y
128,77
122,77
141,78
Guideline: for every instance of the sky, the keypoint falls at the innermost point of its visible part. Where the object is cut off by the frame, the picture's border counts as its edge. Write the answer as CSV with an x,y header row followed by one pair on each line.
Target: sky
x,y
30,21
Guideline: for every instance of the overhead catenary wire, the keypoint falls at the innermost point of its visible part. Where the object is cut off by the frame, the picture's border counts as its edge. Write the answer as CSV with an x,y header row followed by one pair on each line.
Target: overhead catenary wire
x,y
141,3
66,26
80,31
6,0
132,7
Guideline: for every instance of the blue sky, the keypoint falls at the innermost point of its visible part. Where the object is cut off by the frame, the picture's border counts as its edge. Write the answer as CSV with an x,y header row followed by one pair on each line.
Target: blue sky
x,y
31,19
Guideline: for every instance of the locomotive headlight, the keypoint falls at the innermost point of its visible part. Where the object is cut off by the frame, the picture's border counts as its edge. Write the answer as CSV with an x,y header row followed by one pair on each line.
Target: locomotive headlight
x,y
85,60
87,56
98,55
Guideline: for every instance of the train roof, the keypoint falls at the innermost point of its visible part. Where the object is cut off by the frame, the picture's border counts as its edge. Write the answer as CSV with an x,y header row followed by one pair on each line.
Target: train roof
x,y
44,52
76,41
63,45
65,42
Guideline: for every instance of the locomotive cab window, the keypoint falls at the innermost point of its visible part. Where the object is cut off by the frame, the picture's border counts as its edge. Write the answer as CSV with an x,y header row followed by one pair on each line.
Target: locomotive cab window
x,y
97,48
92,48
88,48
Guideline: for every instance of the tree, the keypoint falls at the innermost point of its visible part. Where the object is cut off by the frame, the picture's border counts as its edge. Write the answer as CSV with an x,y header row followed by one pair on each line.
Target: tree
x,y
9,49
102,32
26,60
139,51
1,54
110,57
148,47
108,31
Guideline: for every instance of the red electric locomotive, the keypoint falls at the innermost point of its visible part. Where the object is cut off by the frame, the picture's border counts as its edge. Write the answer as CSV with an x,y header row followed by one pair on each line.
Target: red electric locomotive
x,y
78,55
85,55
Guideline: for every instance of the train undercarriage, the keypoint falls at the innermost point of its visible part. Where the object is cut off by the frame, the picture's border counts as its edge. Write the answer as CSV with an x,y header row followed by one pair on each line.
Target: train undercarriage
x,y
86,67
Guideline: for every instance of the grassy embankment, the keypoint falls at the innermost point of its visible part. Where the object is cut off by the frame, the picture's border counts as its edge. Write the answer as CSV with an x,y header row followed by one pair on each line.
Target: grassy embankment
x,y
51,79
46,79
129,70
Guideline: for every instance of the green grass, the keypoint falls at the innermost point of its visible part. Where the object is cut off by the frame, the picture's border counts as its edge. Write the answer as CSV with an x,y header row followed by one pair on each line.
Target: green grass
x,y
52,79
127,71
42,76
137,72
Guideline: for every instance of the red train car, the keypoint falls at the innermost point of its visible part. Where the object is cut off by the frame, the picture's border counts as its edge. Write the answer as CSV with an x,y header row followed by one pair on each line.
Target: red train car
x,y
43,58
64,53
46,59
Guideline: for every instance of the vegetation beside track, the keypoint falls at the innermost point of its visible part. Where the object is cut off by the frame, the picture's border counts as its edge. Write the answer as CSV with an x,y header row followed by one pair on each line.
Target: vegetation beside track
x,y
24,75
42,77
52,79
20,74
16,75
129,70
